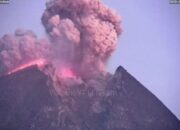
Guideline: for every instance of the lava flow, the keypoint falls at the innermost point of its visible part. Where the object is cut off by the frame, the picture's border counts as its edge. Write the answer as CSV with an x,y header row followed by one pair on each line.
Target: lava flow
x,y
39,63
66,72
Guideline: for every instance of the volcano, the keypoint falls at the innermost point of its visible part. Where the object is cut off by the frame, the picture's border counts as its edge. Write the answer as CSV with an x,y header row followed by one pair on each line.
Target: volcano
x,y
32,99
60,82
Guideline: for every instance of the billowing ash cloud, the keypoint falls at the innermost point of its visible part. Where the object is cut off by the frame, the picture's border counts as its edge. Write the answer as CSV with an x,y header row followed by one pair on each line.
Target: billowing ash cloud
x,y
86,29
82,35
19,48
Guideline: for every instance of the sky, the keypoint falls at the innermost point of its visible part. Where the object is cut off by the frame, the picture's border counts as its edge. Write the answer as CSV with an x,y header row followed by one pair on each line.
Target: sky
x,y
149,47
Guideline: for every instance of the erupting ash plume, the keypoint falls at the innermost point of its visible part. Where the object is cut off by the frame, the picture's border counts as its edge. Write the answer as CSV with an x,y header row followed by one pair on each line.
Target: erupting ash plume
x,y
64,85
82,35
85,30
21,49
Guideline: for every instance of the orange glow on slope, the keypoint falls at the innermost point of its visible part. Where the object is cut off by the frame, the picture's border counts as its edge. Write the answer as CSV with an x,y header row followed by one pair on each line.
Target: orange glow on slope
x,y
66,73
39,63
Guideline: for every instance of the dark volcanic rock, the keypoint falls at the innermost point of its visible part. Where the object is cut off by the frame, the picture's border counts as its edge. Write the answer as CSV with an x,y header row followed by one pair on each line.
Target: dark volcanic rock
x,y
29,101
24,96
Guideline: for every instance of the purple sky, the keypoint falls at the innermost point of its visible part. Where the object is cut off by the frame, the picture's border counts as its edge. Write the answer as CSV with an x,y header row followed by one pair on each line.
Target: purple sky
x,y
149,47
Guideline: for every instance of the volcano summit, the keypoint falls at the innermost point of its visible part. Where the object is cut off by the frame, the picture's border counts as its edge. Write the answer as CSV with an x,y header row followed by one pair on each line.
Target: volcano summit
x,y
31,99
60,82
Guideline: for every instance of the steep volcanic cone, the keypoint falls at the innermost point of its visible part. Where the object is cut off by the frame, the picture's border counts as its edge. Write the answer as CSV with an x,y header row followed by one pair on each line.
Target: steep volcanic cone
x,y
60,82
31,100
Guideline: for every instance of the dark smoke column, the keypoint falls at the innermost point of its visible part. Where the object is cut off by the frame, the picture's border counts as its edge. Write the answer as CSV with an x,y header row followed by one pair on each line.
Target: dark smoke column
x,y
85,32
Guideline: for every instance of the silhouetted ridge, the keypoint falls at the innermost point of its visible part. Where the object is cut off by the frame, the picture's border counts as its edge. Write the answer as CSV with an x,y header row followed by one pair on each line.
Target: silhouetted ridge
x,y
29,100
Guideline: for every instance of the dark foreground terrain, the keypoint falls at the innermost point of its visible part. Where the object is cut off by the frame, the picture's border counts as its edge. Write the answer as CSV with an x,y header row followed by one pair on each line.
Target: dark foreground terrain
x,y
29,101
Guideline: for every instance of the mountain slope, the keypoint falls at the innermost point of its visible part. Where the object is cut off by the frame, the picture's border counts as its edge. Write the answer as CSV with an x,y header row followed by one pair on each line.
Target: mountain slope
x,y
30,100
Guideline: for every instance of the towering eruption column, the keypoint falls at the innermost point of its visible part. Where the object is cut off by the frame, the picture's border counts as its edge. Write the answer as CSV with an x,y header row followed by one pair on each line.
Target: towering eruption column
x,y
84,32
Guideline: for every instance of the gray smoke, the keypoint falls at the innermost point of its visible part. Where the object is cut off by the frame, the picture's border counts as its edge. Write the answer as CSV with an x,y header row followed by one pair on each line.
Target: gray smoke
x,y
82,36
87,28
20,48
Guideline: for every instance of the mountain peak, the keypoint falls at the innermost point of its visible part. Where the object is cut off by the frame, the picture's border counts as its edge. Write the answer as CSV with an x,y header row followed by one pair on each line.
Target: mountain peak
x,y
31,99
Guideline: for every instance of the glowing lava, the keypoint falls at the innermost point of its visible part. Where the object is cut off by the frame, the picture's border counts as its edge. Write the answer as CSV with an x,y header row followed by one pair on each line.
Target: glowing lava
x,y
66,72
39,63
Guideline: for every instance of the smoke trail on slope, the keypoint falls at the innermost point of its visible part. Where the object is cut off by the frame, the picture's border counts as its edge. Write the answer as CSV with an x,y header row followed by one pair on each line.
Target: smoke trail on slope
x,y
20,48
